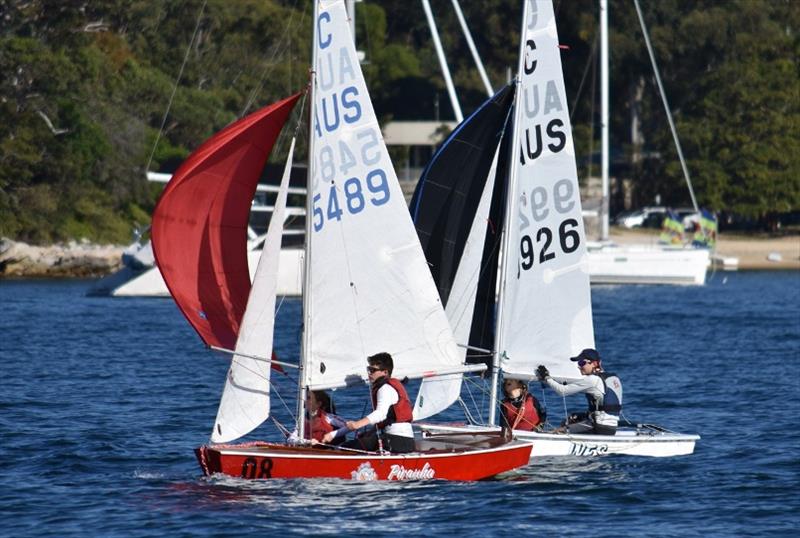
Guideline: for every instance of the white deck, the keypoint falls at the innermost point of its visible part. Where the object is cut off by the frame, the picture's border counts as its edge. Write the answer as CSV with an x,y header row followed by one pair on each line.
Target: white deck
x,y
627,441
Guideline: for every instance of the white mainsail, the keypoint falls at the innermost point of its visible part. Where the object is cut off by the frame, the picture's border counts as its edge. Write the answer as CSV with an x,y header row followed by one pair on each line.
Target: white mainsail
x,y
370,287
245,400
546,314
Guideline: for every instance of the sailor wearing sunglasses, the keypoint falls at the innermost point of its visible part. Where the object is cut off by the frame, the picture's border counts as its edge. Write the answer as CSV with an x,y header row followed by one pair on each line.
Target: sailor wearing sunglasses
x,y
603,392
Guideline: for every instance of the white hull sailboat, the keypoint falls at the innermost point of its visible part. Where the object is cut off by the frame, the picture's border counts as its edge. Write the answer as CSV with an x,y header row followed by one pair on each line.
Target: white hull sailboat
x,y
612,263
367,287
499,217
639,440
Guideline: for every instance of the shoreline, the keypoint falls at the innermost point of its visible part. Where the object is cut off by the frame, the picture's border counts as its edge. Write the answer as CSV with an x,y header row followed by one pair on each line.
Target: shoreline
x,y
82,259
751,250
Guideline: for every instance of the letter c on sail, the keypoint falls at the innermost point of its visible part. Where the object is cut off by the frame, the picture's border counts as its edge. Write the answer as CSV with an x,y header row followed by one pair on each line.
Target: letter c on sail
x,y
324,43
530,45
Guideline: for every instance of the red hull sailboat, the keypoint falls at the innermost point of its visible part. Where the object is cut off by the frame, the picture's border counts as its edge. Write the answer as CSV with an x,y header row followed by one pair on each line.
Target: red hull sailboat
x,y
367,287
483,457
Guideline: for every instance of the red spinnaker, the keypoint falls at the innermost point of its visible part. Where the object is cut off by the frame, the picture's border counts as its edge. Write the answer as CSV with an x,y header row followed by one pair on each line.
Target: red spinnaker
x,y
199,229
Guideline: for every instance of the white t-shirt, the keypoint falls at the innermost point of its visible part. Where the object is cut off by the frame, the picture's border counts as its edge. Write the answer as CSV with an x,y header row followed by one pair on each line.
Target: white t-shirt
x,y
387,397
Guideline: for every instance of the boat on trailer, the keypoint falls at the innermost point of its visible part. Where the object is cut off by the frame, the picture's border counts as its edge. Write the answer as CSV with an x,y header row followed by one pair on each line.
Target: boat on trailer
x,y
498,213
367,287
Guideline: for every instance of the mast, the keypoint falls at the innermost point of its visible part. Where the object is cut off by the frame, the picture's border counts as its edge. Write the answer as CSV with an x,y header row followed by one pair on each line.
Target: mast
x,y
472,49
305,346
604,117
451,90
511,194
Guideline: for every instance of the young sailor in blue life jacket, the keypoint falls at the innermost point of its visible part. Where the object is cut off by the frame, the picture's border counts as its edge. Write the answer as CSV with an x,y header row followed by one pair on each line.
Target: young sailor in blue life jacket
x,y
603,392
392,411
520,409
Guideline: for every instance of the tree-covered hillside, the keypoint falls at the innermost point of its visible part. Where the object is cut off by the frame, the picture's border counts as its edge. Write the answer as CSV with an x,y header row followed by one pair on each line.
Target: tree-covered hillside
x,y
86,85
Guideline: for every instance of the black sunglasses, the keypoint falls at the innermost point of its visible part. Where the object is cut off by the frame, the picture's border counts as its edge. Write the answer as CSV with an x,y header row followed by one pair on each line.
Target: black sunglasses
x,y
373,369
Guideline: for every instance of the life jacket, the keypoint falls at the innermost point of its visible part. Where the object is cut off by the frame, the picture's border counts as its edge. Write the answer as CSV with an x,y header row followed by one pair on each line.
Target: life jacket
x,y
318,426
612,395
531,410
402,411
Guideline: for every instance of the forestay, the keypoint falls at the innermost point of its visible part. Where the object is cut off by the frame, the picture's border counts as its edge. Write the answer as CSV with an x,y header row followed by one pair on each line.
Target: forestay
x,y
245,399
546,314
370,287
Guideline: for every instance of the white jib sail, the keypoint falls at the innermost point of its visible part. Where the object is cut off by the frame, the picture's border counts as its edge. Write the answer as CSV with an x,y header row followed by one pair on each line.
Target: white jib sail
x,y
438,393
245,399
547,312
371,289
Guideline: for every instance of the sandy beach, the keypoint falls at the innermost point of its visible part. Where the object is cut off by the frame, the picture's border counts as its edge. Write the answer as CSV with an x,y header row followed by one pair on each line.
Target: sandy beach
x,y
752,250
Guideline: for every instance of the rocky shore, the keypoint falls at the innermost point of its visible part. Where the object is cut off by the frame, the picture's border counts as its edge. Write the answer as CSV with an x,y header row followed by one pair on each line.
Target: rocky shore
x,y
72,259
84,259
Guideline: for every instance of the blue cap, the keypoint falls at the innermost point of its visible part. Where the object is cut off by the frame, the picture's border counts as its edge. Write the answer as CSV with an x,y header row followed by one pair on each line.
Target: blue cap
x,y
587,354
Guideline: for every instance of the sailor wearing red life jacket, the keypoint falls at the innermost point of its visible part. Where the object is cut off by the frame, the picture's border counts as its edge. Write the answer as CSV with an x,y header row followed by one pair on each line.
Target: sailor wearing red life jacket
x,y
521,410
392,411
321,421
321,418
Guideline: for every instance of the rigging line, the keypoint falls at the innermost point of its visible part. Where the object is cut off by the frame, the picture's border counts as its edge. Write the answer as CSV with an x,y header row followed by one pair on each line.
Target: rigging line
x,y
285,405
666,105
591,119
283,429
177,81
467,412
282,44
589,63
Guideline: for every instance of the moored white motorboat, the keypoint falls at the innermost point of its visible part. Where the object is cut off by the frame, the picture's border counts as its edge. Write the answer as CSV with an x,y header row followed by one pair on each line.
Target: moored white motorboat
x,y
611,263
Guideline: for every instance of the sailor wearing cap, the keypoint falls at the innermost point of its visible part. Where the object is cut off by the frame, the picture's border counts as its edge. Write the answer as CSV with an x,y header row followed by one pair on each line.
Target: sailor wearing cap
x,y
603,392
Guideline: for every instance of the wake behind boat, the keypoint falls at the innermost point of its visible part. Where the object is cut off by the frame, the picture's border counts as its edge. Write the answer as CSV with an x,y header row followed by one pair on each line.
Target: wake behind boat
x,y
367,287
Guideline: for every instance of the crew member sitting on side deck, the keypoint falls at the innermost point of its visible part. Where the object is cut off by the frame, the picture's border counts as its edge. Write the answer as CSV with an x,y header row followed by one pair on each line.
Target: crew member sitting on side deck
x,y
603,392
521,410
392,414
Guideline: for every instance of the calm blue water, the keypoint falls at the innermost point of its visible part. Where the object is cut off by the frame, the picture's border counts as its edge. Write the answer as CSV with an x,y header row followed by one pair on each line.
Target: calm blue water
x,y
103,401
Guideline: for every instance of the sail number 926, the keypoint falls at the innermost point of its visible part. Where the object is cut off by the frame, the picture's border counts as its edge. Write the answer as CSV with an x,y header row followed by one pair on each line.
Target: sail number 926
x,y
539,205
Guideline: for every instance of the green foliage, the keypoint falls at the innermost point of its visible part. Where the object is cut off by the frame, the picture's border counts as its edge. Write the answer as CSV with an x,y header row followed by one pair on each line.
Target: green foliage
x,y
86,87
